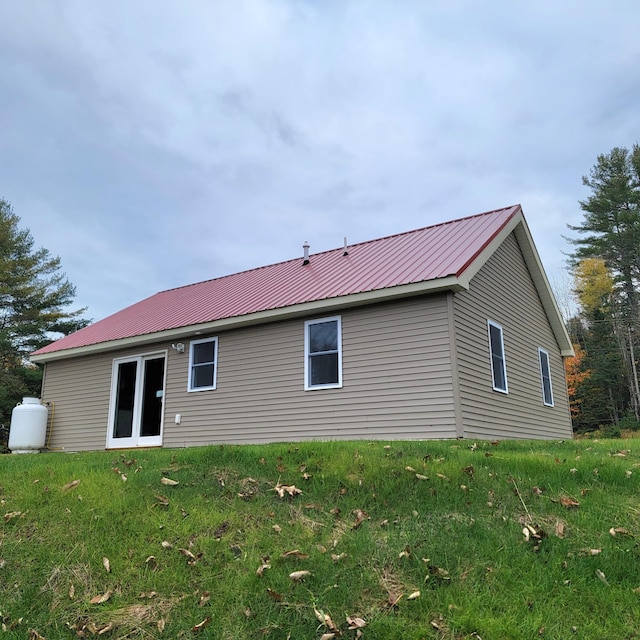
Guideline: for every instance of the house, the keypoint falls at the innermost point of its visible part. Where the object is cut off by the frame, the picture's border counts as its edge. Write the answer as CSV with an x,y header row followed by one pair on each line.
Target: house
x,y
444,332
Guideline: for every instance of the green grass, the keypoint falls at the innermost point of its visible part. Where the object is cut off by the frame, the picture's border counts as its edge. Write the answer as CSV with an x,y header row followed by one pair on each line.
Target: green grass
x,y
444,519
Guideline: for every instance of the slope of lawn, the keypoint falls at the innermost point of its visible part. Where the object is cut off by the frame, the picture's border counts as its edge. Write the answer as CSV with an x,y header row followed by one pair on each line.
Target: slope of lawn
x,y
412,540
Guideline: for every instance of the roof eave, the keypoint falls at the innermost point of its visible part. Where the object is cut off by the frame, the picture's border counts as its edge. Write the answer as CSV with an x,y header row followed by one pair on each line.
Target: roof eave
x,y
328,305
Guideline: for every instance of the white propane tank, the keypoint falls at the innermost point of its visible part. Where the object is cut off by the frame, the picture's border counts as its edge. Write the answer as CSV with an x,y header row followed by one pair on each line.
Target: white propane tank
x,y
28,429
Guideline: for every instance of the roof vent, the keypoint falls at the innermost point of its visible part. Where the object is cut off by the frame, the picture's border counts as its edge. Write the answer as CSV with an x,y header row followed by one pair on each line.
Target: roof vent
x,y
305,248
346,251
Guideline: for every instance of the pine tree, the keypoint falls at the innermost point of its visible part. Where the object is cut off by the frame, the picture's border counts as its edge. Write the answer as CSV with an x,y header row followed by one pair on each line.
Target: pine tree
x,y
34,300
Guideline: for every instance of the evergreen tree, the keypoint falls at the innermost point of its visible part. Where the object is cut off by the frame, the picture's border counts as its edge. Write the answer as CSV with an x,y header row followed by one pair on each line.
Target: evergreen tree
x,y
34,300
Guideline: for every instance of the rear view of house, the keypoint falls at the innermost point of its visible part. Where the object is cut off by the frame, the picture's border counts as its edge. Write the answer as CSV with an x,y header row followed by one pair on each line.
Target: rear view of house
x,y
444,332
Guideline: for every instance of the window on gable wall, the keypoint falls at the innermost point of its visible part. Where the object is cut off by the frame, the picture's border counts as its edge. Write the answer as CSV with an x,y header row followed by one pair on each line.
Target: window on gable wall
x,y
545,375
203,359
498,363
323,353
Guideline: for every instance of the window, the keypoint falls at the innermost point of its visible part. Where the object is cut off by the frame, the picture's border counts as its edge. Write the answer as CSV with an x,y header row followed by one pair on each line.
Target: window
x,y
498,364
203,358
545,375
323,353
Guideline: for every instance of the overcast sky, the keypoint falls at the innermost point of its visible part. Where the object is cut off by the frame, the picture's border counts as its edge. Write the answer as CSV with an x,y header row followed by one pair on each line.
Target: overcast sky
x,y
156,143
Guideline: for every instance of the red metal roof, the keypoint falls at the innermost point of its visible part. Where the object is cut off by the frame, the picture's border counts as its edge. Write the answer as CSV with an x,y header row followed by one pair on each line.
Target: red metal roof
x,y
426,254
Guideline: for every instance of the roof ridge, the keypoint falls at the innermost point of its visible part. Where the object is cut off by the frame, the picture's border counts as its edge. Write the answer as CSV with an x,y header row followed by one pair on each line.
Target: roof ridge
x,y
356,244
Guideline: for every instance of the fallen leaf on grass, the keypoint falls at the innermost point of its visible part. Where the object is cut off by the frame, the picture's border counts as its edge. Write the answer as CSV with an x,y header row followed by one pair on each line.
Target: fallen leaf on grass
x,y
34,635
295,554
162,501
413,596
262,568
106,564
361,516
168,481
291,489
298,576
201,625
559,529
326,621
337,557
151,562
274,595
101,599
148,595
569,503
327,636
204,598
11,515
71,485
602,577
619,531
419,476
166,545
355,623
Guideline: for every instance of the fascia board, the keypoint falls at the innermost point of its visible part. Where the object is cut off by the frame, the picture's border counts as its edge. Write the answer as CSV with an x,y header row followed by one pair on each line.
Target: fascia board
x,y
449,283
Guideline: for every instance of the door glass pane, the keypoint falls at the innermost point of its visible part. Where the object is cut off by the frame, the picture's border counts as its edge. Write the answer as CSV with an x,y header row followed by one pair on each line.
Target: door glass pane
x,y
125,397
152,397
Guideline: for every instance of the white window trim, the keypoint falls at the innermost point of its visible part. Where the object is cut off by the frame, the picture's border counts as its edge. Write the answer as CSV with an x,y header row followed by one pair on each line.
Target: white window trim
x,y
215,364
491,323
546,353
307,369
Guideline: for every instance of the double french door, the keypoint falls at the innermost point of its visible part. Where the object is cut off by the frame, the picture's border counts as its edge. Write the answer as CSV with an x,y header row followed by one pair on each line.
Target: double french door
x,y
137,401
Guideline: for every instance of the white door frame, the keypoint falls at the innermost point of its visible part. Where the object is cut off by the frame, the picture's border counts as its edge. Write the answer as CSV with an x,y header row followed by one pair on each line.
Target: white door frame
x,y
135,439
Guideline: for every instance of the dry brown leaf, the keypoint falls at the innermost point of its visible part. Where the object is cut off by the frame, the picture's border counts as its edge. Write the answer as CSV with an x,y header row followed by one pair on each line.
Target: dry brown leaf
x,y
277,528
336,557
569,503
419,476
71,485
34,635
327,636
601,576
361,516
201,625
169,482
161,624
148,595
355,623
162,500
537,491
101,599
411,469
413,596
560,529
204,598
262,568
295,553
166,545
151,562
291,489
11,515
325,620
274,595
106,564
619,531
72,592
297,576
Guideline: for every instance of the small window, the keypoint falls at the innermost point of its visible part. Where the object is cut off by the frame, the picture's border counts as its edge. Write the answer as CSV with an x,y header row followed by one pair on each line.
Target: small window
x,y
203,358
545,375
498,364
323,354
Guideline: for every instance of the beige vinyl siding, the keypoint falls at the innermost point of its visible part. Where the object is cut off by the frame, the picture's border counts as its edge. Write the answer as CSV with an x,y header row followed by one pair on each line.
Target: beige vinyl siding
x,y
397,384
503,291
79,390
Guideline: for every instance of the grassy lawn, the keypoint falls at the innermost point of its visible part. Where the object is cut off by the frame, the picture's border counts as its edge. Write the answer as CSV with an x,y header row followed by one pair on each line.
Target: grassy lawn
x,y
411,540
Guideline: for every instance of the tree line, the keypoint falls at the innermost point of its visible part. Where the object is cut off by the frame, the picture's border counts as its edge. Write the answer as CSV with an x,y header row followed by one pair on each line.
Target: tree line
x,y
602,377
605,264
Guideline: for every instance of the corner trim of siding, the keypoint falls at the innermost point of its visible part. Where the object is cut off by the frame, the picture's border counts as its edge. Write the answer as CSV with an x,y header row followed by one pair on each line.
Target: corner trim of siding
x,y
457,404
